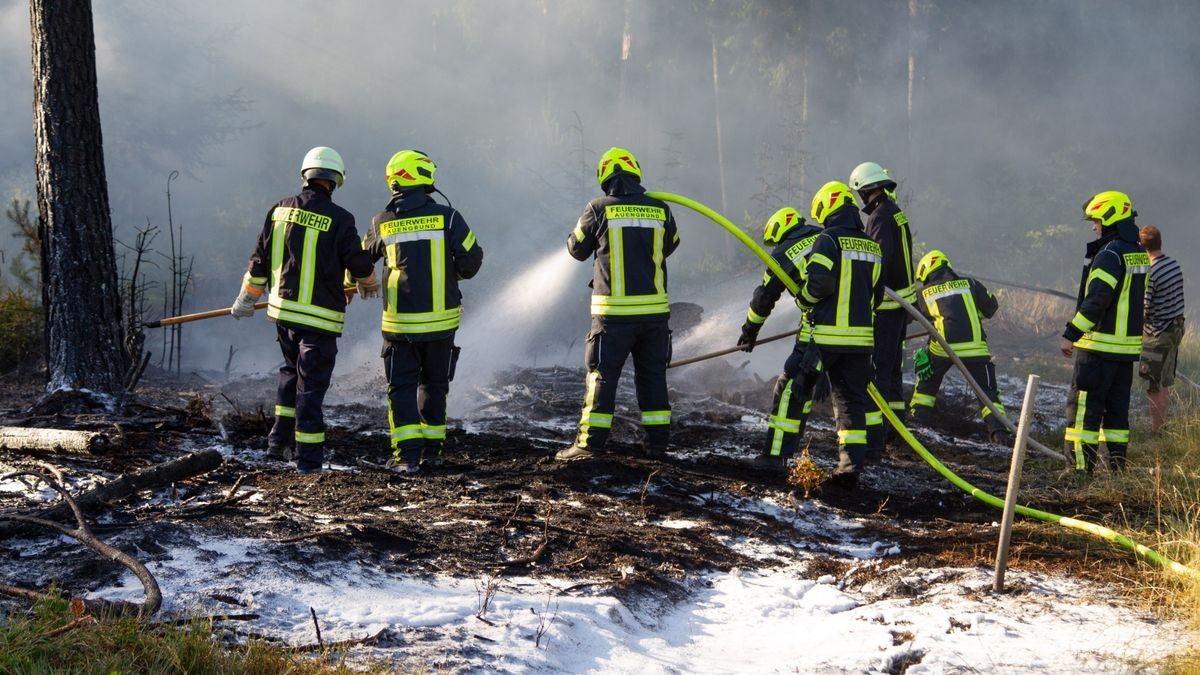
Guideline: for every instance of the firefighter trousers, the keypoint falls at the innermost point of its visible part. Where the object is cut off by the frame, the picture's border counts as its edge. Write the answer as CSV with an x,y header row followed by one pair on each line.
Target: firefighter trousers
x,y
1098,410
308,359
849,374
418,376
924,398
609,345
890,328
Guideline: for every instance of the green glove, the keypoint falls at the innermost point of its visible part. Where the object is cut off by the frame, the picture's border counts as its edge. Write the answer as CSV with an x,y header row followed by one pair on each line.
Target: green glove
x,y
922,365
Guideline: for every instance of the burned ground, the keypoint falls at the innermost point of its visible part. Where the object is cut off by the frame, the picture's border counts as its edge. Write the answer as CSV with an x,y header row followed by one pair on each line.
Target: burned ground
x,y
502,505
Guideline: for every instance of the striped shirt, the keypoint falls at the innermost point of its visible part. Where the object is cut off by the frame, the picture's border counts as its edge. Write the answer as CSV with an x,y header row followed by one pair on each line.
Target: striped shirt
x,y
1164,294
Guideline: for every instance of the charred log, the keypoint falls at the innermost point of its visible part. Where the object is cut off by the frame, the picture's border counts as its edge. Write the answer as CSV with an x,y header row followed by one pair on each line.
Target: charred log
x,y
25,439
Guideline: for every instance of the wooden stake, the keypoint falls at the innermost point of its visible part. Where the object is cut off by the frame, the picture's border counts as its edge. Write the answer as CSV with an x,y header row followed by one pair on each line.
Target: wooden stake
x,y
1014,481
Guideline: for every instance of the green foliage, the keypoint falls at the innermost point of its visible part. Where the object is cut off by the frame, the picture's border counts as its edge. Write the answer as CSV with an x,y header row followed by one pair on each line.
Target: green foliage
x,y
21,326
28,644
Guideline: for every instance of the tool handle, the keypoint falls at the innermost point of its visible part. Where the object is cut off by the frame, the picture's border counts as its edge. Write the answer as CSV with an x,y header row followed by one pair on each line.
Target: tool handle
x,y
200,316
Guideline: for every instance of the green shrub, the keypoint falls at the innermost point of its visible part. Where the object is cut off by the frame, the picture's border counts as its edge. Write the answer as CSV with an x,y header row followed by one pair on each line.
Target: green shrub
x,y
21,328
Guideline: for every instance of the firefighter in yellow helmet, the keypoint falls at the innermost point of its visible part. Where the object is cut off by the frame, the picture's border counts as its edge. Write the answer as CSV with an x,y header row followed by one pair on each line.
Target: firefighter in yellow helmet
x,y
1105,335
428,247
956,306
844,285
307,246
888,226
791,239
630,236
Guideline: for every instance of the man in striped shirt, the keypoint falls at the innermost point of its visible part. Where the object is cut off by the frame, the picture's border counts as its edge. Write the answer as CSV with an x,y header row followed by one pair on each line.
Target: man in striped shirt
x,y
1163,327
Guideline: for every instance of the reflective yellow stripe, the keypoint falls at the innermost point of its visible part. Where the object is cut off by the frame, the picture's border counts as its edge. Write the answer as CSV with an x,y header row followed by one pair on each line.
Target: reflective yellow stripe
x,y
656,417
1110,344
963,349
852,437
578,232
309,437
925,400
1113,435
257,282
1082,322
306,308
421,322
616,261
434,432
851,337
755,317
629,305
1076,434
821,259
469,241
305,315
1100,274
407,432
874,418
1122,327
844,292
589,401
278,234
308,266
437,264
779,421
284,411
658,260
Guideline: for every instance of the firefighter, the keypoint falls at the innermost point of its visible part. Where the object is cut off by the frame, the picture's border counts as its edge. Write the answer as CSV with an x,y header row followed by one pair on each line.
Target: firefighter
x,y
844,286
1105,335
428,248
956,306
792,239
630,235
307,246
888,226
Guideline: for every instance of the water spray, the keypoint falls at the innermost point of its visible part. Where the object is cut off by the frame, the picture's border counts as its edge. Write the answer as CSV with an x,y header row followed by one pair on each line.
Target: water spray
x,y
1093,529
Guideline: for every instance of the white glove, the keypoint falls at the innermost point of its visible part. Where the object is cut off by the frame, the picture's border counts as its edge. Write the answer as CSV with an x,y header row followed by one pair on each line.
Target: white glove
x,y
244,305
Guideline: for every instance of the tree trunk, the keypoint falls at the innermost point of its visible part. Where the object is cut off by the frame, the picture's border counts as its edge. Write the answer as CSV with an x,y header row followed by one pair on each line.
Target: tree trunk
x,y
79,271
717,120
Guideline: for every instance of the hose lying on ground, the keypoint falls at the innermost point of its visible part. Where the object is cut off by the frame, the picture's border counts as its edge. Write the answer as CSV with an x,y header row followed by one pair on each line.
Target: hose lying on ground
x,y
1093,529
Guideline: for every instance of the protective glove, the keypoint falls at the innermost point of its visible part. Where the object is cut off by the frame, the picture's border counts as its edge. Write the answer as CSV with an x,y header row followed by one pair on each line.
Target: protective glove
x,y
749,336
369,287
244,305
922,365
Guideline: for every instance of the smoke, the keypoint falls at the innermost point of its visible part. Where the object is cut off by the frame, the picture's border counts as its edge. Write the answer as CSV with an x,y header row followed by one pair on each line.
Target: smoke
x,y
1020,111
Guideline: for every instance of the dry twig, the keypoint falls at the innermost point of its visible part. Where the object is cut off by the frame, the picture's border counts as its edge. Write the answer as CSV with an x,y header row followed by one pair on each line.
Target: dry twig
x,y
83,534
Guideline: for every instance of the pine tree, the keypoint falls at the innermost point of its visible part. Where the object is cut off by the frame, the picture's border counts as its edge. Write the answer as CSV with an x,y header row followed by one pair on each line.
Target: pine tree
x,y
79,273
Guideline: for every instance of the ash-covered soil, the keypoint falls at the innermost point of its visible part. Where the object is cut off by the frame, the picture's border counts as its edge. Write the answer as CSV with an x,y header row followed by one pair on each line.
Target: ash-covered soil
x,y
502,505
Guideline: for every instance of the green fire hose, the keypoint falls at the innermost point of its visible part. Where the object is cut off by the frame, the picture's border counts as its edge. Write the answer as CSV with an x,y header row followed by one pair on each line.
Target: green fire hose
x,y
1093,529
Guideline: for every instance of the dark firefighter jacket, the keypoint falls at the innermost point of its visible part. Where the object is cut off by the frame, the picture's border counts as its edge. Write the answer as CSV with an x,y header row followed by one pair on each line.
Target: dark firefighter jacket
x,y
957,306
306,246
433,245
888,226
631,236
844,284
1108,320
790,253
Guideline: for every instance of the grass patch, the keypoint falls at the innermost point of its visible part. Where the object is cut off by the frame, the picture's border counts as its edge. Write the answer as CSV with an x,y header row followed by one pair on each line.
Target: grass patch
x,y
39,641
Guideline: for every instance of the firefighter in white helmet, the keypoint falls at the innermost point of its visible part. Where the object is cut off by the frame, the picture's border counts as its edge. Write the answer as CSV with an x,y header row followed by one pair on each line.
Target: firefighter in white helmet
x,y
888,226
306,249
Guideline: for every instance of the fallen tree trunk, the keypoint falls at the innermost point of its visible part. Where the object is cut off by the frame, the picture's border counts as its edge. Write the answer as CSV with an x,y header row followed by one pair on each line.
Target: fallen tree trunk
x,y
155,476
55,440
